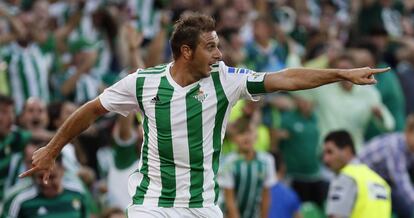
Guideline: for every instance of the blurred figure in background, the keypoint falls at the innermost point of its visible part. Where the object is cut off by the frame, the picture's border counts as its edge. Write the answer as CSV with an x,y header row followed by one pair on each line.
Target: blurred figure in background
x,y
356,105
51,199
34,118
357,191
392,157
247,175
389,87
121,161
285,202
264,54
299,146
12,139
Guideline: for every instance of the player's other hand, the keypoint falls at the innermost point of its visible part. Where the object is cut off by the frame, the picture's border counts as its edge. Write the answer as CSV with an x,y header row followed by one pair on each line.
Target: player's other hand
x,y
362,76
43,160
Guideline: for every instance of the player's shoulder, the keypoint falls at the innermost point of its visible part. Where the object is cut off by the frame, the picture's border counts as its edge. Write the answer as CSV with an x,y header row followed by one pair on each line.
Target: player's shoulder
x,y
222,68
156,71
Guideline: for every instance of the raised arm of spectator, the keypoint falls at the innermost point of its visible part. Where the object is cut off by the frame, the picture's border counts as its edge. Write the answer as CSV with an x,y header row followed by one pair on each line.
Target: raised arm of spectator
x,y
17,27
123,128
63,32
157,47
291,79
85,66
383,118
130,48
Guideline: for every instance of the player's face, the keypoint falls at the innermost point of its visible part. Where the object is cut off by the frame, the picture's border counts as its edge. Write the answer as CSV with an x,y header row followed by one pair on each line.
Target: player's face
x,y
206,54
333,157
6,119
54,186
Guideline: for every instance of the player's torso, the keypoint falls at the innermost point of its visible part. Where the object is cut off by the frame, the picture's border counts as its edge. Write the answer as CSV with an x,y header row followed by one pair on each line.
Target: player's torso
x,y
183,129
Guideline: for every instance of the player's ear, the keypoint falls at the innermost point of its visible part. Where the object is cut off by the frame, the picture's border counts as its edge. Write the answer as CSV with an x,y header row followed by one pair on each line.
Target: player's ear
x,y
186,52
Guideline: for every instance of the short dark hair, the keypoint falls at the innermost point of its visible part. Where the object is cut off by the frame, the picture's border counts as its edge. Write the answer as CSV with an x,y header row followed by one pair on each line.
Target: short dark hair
x,y
6,100
342,139
187,31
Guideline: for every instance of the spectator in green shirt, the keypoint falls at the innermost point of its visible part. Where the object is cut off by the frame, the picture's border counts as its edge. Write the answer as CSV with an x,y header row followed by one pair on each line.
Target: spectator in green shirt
x,y
345,106
247,175
299,145
388,86
12,139
52,199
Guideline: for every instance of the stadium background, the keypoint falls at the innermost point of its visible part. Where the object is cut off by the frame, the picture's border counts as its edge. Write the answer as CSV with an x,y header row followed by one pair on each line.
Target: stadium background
x,y
57,54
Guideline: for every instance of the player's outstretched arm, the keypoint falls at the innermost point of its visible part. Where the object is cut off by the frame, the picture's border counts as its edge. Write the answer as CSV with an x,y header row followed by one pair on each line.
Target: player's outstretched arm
x,y
292,79
44,158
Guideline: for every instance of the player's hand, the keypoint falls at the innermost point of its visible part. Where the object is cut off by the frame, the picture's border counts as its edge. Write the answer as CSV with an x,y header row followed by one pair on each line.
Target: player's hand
x,y
42,161
363,76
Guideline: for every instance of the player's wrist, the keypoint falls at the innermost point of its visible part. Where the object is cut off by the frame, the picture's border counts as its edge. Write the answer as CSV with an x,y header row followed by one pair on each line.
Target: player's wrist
x,y
343,74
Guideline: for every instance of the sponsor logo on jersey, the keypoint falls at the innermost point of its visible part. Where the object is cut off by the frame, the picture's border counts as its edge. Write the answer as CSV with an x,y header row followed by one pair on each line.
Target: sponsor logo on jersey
x,y
155,99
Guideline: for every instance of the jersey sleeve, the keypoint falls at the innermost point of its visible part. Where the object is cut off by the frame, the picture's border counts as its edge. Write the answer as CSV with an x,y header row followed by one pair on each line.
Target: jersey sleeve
x,y
242,83
121,97
341,197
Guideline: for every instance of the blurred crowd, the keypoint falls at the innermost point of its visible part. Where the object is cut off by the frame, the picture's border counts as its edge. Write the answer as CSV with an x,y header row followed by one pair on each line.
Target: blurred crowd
x,y
56,55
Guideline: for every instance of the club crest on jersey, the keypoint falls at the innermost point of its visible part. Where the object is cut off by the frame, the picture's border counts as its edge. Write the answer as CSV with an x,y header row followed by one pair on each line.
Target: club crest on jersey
x,y
200,96
256,77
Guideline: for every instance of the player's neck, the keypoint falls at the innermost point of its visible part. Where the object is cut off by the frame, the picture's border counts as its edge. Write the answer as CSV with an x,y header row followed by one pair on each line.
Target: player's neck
x,y
182,74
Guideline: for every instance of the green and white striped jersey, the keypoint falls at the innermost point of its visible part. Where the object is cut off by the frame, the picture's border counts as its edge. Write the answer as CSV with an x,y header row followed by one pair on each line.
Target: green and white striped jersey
x,y
146,17
13,143
28,73
247,179
31,203
183,131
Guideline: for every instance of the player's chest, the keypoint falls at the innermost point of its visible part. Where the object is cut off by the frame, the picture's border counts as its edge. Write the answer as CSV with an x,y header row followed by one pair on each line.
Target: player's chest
x,y
164,103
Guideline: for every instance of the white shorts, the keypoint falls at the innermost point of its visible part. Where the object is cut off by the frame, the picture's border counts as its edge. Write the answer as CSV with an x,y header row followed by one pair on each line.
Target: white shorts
x,y
140,211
